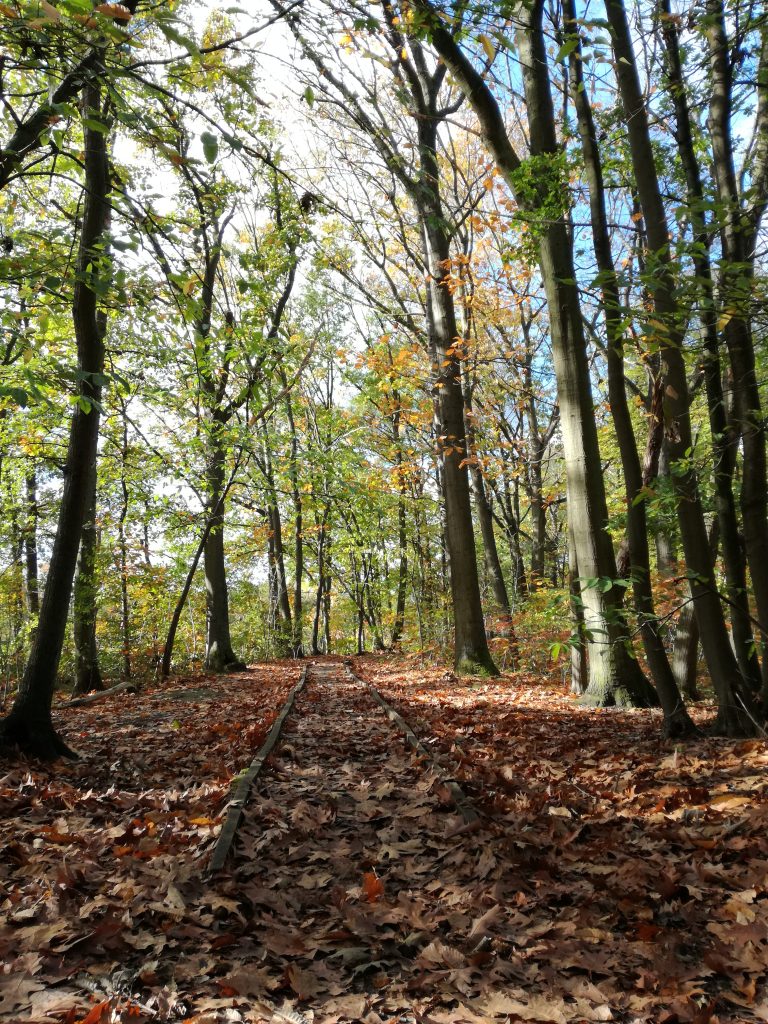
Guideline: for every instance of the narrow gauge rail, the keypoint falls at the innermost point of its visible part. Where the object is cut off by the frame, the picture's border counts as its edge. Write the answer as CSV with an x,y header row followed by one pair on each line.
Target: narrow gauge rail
x,y
326,674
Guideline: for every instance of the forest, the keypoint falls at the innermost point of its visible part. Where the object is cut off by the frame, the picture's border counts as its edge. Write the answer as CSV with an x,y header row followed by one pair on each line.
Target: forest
x,y
383,501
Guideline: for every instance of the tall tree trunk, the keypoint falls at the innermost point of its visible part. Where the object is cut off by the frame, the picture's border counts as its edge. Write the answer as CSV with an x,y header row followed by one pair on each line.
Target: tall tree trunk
x,y
579,667
320,591
471,653
676,719
31,591
219,655
664,538
484,514
614,677
298,527
85,604
125,606
736,707
280,599
685,649
724,441
29,723
736,279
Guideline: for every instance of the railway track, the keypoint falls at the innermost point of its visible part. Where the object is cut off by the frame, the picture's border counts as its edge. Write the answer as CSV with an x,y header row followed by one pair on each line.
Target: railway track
x,y
333,681
364,867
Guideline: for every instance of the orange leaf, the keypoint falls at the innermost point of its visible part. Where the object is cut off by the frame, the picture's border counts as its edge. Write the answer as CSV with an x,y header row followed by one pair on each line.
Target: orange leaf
x,y
94,1015
116,11
373,887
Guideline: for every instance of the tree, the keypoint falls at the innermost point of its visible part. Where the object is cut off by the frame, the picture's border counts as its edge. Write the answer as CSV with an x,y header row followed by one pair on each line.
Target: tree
x,y
29,723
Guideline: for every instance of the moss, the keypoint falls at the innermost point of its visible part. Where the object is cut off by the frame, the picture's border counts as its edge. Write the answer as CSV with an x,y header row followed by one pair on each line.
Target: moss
x,y
469,667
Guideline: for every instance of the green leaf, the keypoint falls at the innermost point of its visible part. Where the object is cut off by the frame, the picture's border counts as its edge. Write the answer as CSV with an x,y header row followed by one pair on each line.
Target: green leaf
x,y
18,395
309,96
566,49
94,125
177,37
210,146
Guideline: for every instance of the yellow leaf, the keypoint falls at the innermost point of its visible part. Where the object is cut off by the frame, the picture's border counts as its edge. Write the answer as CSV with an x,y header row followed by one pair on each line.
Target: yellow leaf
x,y
189,286
490,49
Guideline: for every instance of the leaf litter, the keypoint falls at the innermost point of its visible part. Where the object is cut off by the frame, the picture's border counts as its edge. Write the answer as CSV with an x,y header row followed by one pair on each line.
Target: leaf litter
x,y
611,877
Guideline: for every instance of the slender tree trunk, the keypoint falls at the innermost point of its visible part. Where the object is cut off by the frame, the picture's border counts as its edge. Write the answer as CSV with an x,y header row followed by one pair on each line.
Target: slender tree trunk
x,y
736,278
402,570
676,719
298,528
685,649
170,640
579,667
471,653
664,538
736,707
484,514
31,591
327,598
29,723
125,606
85,605
320,584
724,440
219,655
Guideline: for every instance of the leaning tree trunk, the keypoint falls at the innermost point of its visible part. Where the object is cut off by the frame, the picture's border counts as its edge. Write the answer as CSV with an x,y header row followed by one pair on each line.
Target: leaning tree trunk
x,y
29,724
85,604
736,714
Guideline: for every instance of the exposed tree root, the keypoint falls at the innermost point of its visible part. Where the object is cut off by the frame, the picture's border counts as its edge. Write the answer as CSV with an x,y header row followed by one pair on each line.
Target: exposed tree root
x,y
36,739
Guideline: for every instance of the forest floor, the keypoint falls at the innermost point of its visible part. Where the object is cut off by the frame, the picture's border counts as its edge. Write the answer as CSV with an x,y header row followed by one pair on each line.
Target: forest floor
x,y
594,873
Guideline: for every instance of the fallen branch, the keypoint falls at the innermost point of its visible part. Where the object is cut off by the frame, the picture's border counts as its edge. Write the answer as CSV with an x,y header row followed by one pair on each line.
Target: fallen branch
x,y
94,698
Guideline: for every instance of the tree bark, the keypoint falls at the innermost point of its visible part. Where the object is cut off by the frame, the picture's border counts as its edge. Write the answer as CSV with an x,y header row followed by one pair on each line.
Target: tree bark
x,y
31,586
579,667
483,513
29,724
298,526
219,656
125,606
85,605
724,440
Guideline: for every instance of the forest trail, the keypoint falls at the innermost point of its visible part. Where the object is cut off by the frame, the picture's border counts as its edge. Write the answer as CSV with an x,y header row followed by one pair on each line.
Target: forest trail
x,y
593,873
